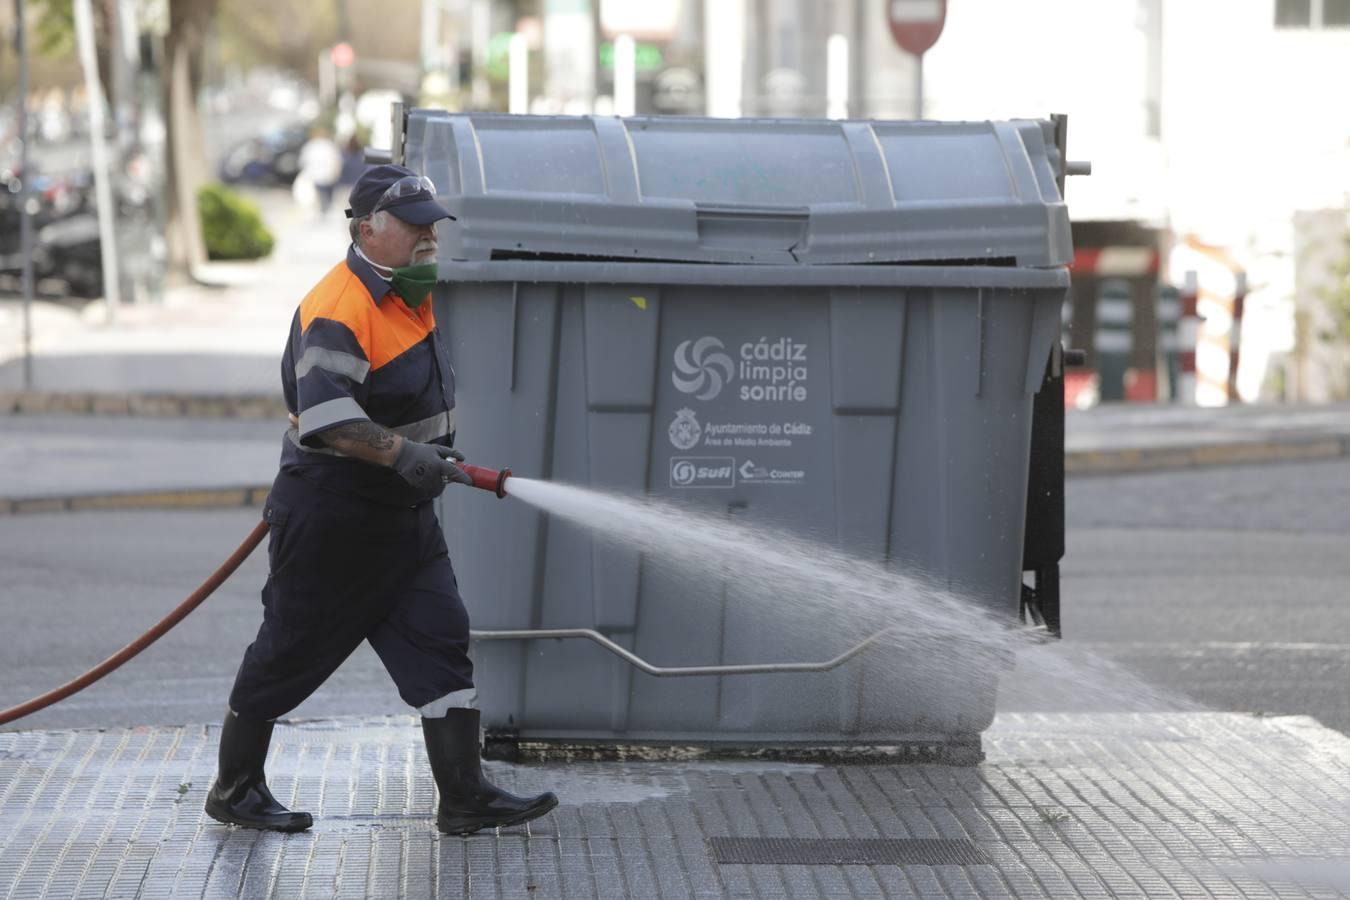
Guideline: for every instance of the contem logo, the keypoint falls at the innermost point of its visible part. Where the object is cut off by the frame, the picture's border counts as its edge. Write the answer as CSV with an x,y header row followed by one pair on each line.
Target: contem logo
x,y
701,368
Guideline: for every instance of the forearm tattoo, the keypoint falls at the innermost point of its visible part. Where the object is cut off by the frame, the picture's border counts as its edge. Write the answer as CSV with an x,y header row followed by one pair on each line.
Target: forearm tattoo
x,y
377,437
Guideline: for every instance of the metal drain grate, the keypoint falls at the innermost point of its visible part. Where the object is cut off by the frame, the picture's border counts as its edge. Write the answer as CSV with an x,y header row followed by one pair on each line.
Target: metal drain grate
x,y
846,852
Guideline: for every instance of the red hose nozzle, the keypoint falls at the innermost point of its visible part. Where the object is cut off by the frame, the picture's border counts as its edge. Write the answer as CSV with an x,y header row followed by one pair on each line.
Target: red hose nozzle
x,y
488,479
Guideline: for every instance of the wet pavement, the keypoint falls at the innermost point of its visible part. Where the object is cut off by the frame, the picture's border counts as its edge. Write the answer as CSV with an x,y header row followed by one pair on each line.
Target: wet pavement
x,y
1159,805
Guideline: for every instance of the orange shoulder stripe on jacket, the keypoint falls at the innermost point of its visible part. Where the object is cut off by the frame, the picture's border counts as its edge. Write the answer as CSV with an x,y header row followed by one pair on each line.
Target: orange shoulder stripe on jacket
x,y
342,297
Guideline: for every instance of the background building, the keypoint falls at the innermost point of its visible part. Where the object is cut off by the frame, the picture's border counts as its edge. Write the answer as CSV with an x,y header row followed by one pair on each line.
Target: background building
x,y
1217,130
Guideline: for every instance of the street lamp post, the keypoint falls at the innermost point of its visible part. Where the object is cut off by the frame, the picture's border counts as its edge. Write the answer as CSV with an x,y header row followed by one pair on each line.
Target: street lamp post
x,y
836,77
625,76
518,86
84,38
25,192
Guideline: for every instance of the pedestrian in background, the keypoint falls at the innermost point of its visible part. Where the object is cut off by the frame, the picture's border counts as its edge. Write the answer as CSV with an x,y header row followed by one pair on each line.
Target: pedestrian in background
x,y
321,166
353,160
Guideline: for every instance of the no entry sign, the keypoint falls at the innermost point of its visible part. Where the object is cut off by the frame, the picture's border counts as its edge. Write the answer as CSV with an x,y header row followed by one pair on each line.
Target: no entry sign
x,y
916,24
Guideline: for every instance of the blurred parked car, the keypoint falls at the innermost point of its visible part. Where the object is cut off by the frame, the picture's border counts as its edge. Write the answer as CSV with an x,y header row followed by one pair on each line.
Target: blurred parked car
x,y
65,229
272,157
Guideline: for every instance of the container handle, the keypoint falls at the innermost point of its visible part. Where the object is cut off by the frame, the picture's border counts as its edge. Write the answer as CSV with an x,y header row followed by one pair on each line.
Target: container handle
x,y
780,228
536,634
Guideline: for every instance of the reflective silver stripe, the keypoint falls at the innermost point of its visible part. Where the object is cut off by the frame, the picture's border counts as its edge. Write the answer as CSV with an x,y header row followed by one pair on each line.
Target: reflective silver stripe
x,y
436,709
293,434
329,413
428,429
334,361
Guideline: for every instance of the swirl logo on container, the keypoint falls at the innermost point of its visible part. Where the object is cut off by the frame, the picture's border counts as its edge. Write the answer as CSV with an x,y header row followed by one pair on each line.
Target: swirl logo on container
x,y
701,368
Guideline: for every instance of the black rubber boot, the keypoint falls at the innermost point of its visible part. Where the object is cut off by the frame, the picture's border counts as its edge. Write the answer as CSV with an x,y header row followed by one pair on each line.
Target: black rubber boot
x,y
468,800
239,795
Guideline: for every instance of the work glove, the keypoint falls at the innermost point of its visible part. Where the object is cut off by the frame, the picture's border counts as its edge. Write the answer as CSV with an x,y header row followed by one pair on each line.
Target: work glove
x,y
430,467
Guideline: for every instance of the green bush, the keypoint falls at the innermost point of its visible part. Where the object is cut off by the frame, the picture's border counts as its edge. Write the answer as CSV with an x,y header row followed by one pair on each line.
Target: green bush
x,y
232,227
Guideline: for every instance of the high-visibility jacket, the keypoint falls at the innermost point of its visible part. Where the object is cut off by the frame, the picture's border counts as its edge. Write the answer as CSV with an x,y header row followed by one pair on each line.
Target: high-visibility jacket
x,y
356,352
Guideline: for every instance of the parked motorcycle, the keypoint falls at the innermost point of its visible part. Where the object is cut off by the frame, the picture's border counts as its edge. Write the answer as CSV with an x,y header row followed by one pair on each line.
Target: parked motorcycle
x,y
65,230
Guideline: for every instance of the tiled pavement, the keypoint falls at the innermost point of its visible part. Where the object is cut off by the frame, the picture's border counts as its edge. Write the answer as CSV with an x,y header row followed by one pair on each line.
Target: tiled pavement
x,y
1192,805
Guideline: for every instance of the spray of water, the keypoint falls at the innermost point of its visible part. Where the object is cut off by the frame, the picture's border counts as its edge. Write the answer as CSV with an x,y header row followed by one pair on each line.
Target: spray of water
x,y
827,591
808,586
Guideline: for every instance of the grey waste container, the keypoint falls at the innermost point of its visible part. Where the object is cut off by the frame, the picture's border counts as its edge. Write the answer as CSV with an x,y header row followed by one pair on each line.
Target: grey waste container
x,y
609,292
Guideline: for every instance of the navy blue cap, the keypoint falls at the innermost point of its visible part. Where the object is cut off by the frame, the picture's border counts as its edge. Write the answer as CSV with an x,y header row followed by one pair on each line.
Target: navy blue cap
x,y
419,208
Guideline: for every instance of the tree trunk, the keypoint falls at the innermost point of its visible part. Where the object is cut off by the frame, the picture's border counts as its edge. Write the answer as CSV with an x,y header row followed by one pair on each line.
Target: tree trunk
x,y
105,13
186,168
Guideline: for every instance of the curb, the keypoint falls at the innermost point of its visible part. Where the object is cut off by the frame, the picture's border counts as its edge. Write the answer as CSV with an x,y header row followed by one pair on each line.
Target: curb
x,y
1076,464
166,405
1157,459
204,498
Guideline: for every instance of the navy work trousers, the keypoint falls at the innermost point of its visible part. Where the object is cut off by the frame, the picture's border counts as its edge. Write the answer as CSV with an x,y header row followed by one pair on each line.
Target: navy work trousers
x,y
342,570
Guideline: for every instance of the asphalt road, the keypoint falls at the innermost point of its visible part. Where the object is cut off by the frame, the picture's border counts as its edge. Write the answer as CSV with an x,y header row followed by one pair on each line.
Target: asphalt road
x,y
1231,585
1226,585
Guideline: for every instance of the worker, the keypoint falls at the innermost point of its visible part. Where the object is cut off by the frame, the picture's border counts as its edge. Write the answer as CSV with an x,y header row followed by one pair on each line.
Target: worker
x,y
355,551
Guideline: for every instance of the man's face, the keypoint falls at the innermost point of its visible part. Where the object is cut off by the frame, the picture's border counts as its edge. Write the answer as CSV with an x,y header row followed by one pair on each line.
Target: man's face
x,y
399,244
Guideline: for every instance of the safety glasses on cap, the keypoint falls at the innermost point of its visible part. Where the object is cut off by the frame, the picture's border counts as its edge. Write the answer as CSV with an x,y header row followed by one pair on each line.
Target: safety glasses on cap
x,y
406,187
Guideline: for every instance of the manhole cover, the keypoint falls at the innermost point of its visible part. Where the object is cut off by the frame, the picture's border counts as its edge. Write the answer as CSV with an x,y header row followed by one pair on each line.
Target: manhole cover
x,y
847,852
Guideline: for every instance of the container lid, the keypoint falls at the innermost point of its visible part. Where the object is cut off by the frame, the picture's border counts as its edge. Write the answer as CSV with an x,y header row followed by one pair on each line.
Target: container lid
x,y
748,191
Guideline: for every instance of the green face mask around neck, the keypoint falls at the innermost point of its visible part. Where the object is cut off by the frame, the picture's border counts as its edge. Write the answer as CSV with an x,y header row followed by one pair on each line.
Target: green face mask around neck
x,y
414,283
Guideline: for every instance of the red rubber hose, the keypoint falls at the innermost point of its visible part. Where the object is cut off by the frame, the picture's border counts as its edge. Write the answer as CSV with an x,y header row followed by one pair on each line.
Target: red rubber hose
x,y
173,618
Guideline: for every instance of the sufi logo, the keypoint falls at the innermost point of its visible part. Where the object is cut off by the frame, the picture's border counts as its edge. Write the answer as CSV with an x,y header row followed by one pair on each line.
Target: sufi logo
x,y
702,472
